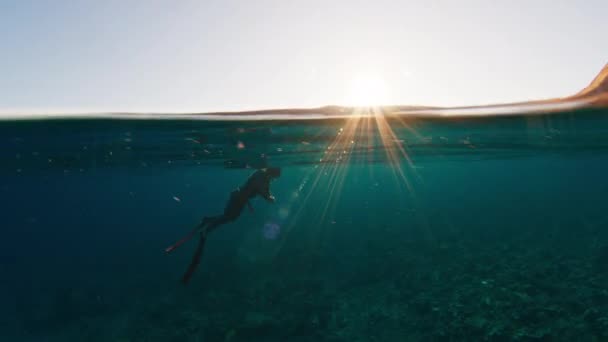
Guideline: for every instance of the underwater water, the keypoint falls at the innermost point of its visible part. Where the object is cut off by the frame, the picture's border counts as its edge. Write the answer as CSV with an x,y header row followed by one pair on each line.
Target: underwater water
x,y
384,229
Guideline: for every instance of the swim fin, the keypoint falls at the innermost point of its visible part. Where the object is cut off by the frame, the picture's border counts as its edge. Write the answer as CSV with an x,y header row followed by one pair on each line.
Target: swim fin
x,y
196,259
184,239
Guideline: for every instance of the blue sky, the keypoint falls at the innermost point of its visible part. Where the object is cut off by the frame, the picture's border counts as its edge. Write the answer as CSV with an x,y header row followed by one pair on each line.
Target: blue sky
x,y
231,55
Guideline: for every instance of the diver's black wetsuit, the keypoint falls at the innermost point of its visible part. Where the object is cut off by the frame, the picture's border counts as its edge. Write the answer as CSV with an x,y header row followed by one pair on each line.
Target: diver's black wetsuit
x,y
258,184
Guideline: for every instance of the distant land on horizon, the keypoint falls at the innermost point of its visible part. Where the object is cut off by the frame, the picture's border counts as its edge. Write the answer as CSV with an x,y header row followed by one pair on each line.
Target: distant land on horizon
x,y
594,95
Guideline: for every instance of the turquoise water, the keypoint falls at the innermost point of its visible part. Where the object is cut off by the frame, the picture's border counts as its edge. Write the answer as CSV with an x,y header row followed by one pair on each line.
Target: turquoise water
x,y
411,229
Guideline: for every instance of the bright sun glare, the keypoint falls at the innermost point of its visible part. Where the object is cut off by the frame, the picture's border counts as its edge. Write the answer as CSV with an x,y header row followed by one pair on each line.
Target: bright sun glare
x,y
367,89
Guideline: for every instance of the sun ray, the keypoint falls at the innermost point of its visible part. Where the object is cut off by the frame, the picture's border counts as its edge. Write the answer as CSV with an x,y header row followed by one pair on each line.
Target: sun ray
x,y
391,143
364,134
333,165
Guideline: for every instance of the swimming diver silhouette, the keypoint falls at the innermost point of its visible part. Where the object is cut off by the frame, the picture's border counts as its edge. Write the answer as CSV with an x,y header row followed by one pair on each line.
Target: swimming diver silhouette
x,y
258,184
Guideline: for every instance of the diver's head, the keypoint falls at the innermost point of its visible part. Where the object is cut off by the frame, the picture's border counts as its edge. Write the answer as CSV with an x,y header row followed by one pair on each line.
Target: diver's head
x,y
274,172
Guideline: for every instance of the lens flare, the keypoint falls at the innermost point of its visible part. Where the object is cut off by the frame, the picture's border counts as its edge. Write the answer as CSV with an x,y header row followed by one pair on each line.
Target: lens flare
x,y
271,231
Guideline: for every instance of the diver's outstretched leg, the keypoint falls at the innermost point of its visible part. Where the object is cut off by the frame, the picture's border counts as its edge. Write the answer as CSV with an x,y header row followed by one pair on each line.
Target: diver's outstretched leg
x,y
209,225
206,220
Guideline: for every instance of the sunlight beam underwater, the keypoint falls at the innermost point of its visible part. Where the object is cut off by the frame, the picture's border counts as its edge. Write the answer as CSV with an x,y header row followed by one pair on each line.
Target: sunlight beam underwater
x,y
361,128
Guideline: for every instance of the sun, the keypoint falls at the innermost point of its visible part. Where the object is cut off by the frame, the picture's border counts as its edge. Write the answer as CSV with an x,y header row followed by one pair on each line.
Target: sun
x,y
367,89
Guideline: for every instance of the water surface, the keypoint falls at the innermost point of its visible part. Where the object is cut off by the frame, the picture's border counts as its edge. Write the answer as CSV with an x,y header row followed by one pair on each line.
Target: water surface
x,y
384,229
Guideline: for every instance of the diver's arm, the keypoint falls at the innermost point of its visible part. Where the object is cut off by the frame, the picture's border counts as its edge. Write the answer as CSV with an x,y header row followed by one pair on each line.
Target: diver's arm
x,y
266,194
259,185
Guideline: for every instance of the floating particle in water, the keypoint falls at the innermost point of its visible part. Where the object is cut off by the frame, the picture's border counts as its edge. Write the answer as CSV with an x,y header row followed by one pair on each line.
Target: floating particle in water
x,y
271,231
240,145
279,149
176,199
305,143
